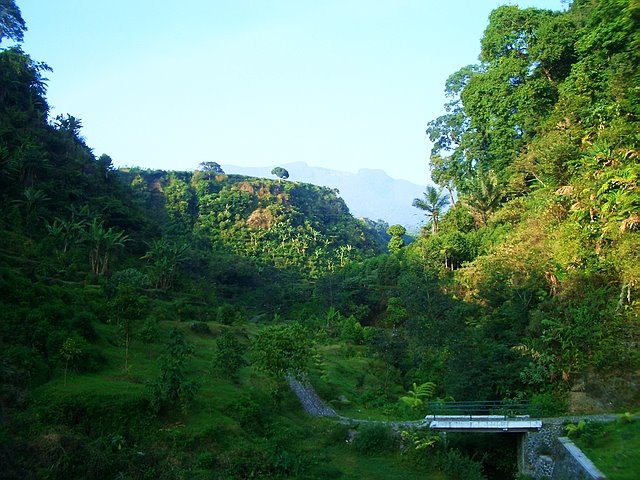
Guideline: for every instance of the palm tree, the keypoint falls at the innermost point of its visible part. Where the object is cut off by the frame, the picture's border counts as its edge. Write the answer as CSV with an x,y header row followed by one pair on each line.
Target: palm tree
x,y
483,194
433,204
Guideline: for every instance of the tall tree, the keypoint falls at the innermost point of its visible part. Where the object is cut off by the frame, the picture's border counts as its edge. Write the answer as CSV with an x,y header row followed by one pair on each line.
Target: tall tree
x,y
280,172
12,25
498,106
396,242
211,169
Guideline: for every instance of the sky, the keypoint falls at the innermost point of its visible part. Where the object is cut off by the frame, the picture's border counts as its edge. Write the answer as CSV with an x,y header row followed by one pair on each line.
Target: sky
x,y
339,84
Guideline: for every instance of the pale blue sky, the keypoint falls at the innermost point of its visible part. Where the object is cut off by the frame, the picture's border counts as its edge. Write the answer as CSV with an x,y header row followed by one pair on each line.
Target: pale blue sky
x,y
341,84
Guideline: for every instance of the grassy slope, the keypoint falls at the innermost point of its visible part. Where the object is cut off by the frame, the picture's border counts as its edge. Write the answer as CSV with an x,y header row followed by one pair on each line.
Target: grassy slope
x,y
112,402
614,448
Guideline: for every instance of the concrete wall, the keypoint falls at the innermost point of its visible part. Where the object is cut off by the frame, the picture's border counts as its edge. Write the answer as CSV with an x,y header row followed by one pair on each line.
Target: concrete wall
x,y
573,463
548,455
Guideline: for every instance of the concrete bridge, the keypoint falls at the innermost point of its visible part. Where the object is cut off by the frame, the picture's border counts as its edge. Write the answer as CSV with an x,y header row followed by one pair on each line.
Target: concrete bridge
x,y
483,423
533,433
482,416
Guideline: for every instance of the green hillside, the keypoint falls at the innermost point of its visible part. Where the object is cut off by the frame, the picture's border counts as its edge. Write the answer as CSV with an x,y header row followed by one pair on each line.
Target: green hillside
x,y
148,318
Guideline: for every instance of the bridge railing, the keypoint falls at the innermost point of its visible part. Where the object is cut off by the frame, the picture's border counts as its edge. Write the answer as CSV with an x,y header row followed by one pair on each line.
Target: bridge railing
x,y
474,408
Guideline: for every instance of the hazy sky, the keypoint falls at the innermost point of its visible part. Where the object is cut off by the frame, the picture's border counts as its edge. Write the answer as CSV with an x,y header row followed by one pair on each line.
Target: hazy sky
x,y
341,84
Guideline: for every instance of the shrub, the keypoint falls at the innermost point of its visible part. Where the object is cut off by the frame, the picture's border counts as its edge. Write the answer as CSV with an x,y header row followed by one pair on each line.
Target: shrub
x,y
593,434
226,314
574,430
625,418
457,466
228,358
250,415
172,388
206,460
149,331
549,404
374,439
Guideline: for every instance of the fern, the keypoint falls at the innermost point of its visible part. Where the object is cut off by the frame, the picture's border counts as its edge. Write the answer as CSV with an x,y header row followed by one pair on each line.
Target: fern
x,y
415,397
574,430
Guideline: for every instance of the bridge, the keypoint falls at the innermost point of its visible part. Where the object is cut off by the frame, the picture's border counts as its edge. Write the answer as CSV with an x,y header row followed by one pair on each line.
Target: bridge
x,y
484,416
483,423
518,418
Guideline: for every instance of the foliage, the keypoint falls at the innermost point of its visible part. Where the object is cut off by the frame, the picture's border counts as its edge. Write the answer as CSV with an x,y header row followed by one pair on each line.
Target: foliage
x,y
458,466
128,307
172,389
229,357
70,351
281,350
613,447
102,244
575,429
396,242
211,169
164,258
280,172
433,204
527,287
374,440
11,23
416,396
419,440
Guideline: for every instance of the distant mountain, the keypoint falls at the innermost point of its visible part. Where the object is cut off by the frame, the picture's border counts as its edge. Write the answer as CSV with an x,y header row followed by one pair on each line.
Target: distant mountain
x,y
370,193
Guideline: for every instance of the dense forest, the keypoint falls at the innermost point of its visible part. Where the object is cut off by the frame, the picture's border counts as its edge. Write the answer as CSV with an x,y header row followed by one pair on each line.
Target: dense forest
x,y
148,318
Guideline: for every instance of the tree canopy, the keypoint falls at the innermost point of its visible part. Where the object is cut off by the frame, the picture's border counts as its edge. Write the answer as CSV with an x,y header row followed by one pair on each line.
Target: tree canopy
x,y
12,26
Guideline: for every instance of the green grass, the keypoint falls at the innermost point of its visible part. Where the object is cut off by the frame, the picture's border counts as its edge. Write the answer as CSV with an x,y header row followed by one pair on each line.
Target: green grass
x,y
383,467
614,448
371,391
112,402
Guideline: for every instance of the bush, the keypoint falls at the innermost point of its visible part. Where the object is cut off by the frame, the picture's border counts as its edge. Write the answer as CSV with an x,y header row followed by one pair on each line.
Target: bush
x,y
374,439
247,460
250,415
593,434
549,404
226,314
457,466
173,388
206,460
228,358
338,433
149,331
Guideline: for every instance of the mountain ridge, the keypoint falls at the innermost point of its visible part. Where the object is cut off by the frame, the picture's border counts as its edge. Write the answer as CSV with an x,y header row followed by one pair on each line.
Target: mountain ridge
x,y
369,193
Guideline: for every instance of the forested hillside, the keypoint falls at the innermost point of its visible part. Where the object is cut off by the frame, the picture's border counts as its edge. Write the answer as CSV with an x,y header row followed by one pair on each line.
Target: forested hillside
x,y
541,143
148,318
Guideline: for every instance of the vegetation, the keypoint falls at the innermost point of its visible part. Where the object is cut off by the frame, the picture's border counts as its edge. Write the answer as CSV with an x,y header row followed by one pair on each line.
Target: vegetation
x,y
148,318
613,447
